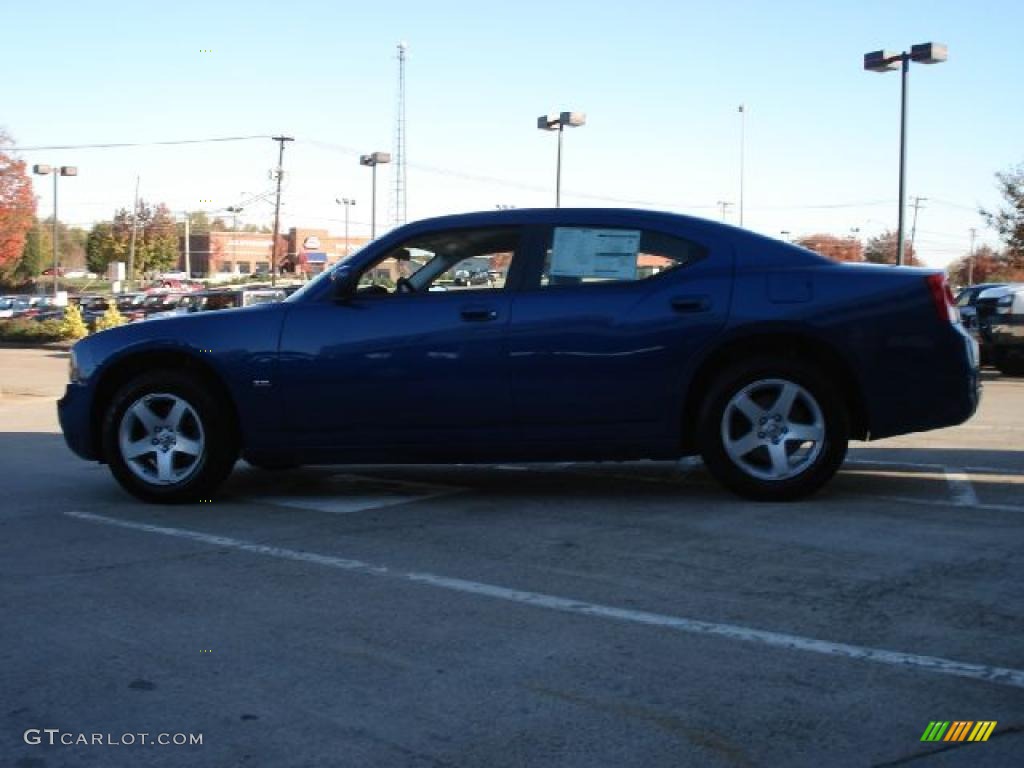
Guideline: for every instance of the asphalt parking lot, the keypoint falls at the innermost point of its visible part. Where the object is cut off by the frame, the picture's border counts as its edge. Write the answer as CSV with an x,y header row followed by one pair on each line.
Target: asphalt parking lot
x,y
566,615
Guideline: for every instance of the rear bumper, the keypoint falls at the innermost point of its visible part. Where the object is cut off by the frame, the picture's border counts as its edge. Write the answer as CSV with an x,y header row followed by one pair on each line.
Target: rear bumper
x,y
74,414
930,387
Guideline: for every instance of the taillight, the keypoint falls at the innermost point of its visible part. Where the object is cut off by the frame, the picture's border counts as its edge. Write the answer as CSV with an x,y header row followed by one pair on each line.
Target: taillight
x,y
942,297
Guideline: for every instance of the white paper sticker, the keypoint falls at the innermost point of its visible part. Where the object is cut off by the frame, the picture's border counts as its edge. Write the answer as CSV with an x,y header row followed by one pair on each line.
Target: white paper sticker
x,y
603,253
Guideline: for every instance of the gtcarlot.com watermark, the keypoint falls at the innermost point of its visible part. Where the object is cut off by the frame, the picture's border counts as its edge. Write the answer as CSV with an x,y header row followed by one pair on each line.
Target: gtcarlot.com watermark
x,y
55,736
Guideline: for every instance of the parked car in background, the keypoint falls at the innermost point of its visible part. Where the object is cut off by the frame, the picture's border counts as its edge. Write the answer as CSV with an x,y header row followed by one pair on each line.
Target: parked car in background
x,y
10,306
985,305
1006,329
205,301
94,307
967,299
764,358
130,305
33,306
173,284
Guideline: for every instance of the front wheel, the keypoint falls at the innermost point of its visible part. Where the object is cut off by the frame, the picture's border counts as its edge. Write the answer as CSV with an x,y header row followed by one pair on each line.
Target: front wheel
x,y
773,431
167,439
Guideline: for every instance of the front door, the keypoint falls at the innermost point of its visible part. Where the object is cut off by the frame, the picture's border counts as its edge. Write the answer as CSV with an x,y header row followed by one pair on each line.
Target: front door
x,y
416,352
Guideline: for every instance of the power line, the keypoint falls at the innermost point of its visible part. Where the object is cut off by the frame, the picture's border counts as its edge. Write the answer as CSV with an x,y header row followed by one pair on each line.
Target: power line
x,y
137,144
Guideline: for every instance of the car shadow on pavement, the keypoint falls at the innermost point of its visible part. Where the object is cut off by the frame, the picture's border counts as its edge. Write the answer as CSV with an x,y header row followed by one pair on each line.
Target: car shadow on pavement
x,y
41,470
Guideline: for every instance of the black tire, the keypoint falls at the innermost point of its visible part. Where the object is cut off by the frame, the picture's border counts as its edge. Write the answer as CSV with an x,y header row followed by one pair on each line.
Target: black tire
x,y
205,424
747,460
1011,365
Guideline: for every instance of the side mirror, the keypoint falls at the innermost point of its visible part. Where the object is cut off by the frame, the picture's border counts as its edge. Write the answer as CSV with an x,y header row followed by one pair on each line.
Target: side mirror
x,y
344,284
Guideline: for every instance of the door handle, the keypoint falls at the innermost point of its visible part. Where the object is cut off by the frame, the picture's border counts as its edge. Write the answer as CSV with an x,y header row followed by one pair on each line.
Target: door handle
x,y
478,314
691,303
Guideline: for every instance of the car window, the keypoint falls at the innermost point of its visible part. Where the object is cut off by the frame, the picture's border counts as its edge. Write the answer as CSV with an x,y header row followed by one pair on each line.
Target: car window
x,y
585,255
459,260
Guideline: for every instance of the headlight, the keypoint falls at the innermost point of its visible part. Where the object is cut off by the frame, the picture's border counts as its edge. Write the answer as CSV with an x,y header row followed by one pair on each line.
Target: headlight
x,y
73,372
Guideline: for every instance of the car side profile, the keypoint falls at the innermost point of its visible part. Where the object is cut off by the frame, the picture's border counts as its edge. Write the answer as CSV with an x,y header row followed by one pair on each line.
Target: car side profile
x,y
604,334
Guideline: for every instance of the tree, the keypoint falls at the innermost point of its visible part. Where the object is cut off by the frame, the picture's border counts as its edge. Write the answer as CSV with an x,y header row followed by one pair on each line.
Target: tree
x,y
71,251
17,207
832,247
198,223
33,255
882,250
989,266
102,247
1008,220
156,239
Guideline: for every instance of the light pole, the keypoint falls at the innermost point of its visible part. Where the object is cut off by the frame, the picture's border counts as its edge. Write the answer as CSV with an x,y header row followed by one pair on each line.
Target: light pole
x,y
557,122
63,170
348,203
743,126
885,61
373,160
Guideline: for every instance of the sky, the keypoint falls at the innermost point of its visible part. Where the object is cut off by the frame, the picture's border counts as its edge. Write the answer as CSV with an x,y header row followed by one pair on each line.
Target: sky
x,y
660,83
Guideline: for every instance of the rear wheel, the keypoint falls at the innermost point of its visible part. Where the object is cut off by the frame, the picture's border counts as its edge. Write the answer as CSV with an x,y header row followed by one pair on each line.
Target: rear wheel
x,y
167,439
773,430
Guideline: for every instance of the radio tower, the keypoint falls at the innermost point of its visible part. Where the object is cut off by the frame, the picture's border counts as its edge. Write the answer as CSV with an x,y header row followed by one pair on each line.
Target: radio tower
x,y
398,201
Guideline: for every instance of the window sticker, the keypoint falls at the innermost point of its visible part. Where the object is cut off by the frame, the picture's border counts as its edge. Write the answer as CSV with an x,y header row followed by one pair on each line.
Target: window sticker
x,y
596,253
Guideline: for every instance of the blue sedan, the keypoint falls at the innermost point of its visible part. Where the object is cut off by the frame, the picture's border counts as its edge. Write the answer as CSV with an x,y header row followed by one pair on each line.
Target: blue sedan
x,y
595,334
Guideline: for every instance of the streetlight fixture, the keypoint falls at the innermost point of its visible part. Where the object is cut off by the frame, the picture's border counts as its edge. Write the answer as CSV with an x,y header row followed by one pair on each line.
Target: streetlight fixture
x,y
887,61
348,203
373,160
63,170
558,122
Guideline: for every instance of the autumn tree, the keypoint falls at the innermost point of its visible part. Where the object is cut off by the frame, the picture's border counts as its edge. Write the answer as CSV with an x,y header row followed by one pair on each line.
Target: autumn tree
x,y
882,250
17,207
989,266
1008,219
832,247
156,239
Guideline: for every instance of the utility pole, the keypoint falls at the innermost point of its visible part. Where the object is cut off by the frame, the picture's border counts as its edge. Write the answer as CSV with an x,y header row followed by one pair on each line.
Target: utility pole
x,y
723,205
913,227
277,207
131,246
970,258
188,235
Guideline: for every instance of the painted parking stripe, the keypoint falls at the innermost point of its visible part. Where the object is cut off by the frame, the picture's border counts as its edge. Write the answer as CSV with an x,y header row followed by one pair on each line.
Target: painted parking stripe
x,y
359,494
960,488
981,672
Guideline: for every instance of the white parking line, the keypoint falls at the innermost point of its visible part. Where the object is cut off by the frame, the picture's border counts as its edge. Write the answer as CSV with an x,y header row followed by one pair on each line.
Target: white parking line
x,y
359,494
981,672
960,488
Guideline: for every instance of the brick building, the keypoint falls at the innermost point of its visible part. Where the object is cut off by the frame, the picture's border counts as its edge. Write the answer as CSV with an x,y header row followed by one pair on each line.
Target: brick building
x,y
247,253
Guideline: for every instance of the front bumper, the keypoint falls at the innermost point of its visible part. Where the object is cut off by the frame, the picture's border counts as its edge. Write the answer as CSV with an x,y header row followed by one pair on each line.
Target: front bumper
x,y
75,416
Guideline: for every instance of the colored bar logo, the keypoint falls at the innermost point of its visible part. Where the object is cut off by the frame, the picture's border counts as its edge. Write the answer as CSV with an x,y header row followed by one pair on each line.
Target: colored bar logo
x,y
959,730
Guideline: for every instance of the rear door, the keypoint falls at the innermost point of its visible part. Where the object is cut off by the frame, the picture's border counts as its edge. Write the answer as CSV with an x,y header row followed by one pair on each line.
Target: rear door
x,y
607,324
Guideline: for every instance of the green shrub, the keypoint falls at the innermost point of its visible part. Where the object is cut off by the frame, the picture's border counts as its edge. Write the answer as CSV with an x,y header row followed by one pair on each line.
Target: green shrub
x,y
72,326
25,329
109,319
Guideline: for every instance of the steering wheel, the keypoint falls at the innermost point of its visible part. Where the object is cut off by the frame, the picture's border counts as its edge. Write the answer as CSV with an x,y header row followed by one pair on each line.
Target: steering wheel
x,y
404,285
